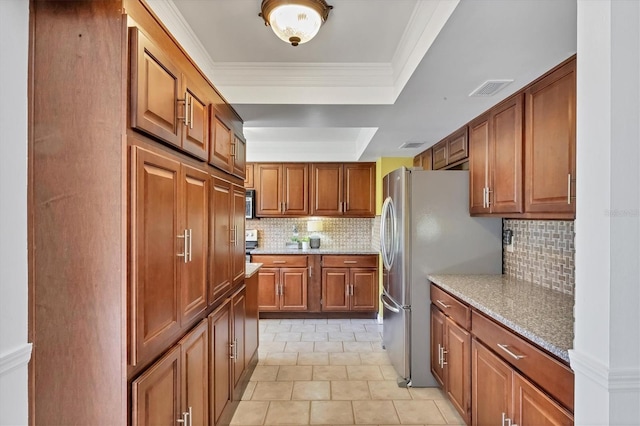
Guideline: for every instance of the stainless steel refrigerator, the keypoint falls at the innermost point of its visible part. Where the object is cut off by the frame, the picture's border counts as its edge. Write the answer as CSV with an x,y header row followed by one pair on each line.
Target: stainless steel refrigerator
x,y
425,228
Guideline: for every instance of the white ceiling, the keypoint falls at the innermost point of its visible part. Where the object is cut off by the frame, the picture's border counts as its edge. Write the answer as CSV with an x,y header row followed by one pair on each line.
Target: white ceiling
x,y
380,72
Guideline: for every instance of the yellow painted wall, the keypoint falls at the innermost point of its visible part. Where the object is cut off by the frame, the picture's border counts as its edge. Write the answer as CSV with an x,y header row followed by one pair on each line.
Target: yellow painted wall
x,y
385,165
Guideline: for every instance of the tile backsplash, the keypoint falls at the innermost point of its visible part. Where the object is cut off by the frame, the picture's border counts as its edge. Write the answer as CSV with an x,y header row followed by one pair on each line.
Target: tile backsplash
x,y
544,253
337,233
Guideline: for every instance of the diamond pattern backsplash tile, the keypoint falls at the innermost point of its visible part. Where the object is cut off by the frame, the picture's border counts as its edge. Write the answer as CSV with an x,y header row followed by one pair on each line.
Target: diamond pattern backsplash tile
x,y
544,253
338,233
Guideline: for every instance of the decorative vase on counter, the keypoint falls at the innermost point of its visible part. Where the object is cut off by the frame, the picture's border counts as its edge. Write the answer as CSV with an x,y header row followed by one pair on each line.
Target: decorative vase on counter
x,y
305,245
314,242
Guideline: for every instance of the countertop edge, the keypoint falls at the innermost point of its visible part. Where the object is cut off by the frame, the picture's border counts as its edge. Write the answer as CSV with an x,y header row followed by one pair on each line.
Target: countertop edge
x,y
251,269
259,252
527,334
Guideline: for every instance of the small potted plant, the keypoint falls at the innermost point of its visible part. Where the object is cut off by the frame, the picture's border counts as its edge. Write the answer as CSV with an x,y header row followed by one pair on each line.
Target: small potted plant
x,y
304,243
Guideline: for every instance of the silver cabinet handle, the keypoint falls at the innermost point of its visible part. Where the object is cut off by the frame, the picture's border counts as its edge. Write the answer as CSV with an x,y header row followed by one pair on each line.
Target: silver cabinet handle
x,y
489,191
310,271
191,110
279,261
186,108
440,355
569,180
232,351
441,303
190,244
514,355
184,419
281,289
504,417
185,250
484,197
235,350
232,235
350,261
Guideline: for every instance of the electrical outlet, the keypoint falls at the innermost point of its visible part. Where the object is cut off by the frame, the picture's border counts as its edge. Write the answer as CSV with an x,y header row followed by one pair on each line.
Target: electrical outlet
x,y
507,240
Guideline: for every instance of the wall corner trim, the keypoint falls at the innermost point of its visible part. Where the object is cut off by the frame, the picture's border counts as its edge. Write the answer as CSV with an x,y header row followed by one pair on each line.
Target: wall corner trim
x,y
15,358
612,379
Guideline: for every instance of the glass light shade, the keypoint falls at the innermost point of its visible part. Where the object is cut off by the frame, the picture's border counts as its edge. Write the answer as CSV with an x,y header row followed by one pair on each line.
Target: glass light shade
x,y
295,24
314,226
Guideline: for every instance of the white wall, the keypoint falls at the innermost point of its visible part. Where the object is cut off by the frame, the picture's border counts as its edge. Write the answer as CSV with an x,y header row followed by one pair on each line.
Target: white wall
x,y
606,355
14,350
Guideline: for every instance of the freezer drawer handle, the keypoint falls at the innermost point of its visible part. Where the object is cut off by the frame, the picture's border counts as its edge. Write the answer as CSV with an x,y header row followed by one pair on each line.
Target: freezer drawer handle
x,y
387,305
441,303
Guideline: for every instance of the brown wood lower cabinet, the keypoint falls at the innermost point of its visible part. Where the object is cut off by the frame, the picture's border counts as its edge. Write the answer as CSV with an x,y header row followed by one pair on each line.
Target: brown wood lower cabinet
x,y
350,283
282,282
176,387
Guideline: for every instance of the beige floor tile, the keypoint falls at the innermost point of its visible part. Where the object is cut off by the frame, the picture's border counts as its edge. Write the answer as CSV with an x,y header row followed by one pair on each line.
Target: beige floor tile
x,y
250,413
364,372
357,346
330,412
364,321
377,328
316,321
450,414
281,358
288,413
287,337
294,372
340,336
328,347
344,358
426,393
419,412
266,337
269,321
388,372
272,391
329,372
375,412
313,358
359,328
272,346
314,337
387,389
248,392
265,373
299,347
349,390
326,328
311,391
303,328
377,347
339,321
277,328
375,358
290,321
367,337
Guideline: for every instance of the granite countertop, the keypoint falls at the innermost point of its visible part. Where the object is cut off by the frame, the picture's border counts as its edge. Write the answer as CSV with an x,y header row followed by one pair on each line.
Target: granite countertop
x,y
251,268
312,251
542,315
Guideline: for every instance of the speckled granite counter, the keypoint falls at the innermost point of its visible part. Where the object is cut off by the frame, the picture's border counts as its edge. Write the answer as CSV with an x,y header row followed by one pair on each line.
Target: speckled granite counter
x,y
543,316
312,251
251,268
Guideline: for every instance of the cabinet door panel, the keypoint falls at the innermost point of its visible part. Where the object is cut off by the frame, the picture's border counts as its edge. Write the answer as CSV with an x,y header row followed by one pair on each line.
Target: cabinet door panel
x,y
335,289
359,187
239,303
533,407
155,192
239,157
294,289
427,160
458,368
491,386
326,189
269,189
506,157
295,184
437,342
364,284
550,142
155,85
220,152
195,133
220,219
457,146
248,179
478,164
439,155
156,393
220,367
194,272
195,373
268,282
238,251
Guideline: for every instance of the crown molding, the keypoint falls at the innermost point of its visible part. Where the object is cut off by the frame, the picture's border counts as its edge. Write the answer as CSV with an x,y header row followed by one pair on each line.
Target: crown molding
x,y
329,83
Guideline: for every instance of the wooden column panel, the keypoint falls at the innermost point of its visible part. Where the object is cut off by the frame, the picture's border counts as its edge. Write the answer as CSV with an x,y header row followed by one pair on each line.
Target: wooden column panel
x,y
491,386
458,368
437,342
220,253
238,250
195,374
195,133
220,365
479,143
221,139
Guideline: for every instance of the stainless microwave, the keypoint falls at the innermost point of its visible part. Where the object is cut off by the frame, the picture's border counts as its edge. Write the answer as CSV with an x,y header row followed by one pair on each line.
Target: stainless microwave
x,y
250,205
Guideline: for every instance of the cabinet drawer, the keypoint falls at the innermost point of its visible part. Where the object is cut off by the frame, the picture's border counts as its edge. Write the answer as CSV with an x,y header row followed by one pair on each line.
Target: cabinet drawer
x,y
280,261
548,373
452,307
355,261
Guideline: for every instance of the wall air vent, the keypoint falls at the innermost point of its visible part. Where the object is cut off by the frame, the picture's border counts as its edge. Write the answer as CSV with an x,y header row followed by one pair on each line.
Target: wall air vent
x,y
410,145
490,88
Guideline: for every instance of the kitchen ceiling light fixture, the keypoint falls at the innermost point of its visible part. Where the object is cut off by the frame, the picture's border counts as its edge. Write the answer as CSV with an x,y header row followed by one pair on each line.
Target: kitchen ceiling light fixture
x,y
295,21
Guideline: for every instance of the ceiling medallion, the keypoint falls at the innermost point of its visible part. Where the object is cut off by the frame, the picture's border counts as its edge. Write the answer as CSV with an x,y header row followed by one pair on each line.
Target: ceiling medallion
x,y
295,21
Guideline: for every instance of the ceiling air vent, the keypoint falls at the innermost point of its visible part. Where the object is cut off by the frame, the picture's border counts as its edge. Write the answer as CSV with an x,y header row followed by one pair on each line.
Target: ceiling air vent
x,y
410,145
490,88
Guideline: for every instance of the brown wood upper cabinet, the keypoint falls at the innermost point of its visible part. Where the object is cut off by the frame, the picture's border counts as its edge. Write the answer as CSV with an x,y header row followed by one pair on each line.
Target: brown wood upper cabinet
x,y
424,160
228,150
282,189
451,151
343,189
550,143
495,161
164,102
248,178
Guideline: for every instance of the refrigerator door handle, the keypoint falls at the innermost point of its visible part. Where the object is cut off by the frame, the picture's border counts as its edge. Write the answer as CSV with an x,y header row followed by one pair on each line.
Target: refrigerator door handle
x,y
387,304
388,214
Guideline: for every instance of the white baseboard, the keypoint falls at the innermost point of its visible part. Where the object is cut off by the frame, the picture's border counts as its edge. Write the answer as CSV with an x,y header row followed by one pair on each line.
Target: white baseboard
x,y
15,358
612,379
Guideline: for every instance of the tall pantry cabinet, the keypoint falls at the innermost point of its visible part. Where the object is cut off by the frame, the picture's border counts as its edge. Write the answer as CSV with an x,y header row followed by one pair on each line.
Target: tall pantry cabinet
x,y
122,220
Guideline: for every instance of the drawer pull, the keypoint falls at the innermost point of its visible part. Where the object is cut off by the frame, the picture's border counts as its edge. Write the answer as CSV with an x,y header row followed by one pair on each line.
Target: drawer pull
x,y
505,348
350,261
444,305
279,261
